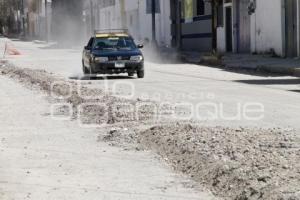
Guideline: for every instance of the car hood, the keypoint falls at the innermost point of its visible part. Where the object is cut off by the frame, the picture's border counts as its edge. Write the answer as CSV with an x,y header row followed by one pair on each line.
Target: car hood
x,y
105,53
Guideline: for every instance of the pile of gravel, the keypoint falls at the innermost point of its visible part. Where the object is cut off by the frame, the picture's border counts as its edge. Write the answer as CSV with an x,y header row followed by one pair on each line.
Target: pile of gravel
x,y
98,109
241,164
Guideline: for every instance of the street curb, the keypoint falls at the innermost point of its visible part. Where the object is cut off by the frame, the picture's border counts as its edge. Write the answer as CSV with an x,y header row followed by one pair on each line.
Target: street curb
x,y
211,60
297,72
277,69
214,61
290,71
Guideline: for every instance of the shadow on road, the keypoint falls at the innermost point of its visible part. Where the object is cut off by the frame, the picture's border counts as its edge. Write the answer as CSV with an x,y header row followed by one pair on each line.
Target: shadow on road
x,y
271,81
250,72
295,91
102,78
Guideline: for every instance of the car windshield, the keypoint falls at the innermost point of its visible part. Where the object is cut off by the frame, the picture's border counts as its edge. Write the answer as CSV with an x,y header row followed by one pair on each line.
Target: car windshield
x,y
114,43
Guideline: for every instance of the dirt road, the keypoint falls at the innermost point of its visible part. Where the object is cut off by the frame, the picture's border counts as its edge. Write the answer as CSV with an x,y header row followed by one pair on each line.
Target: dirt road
x,y
45,158
225,92
235,147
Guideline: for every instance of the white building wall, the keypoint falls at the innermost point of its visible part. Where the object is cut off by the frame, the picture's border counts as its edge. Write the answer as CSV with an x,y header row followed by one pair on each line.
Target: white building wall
x,y
138,21
267,24
221,39
267,28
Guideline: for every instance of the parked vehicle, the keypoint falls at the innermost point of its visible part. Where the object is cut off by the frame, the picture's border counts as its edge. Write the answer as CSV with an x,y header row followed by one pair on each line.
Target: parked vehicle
x,y
112,52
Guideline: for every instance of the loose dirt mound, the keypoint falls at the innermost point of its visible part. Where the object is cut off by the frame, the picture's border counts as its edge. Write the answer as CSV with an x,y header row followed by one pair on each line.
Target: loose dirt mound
x,y
97,109
241,164
236,164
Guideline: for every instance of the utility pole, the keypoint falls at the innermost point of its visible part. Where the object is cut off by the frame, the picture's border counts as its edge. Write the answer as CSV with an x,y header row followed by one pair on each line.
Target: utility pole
x,y
23,17
178,7
46,20
214,32
92,16
153,23
123,14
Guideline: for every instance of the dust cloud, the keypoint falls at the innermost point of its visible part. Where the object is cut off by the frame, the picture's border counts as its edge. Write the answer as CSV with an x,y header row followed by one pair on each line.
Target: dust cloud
x,y
72,26
67,26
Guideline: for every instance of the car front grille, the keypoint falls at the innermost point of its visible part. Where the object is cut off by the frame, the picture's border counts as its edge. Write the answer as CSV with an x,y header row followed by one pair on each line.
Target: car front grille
x,y
115,58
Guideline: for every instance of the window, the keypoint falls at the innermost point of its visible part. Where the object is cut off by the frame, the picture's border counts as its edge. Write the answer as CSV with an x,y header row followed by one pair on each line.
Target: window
x,y
193,8
90,43
114,43
200,7
188,11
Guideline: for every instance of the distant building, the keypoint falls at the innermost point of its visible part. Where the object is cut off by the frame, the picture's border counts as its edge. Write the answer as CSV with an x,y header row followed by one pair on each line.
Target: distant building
x,y
235,26
130,14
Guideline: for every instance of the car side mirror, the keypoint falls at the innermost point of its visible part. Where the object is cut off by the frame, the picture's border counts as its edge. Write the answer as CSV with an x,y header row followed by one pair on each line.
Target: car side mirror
x,y
87,48
140,46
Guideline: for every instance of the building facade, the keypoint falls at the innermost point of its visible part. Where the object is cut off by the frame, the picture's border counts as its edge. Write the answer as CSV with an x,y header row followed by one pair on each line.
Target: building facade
x,y
134,15
192,25
236,26
12,18
38,14
259,26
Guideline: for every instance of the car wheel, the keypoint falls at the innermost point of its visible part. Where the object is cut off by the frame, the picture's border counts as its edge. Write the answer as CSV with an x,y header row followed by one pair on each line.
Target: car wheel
x,y
141,74
92,74
130,74
84,69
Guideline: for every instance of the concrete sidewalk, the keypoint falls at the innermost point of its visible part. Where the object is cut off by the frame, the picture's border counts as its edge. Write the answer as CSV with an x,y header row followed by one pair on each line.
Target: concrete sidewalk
x,y
264,63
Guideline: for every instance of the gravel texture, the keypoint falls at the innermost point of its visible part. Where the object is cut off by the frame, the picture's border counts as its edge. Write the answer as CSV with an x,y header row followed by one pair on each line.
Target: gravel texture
x,y
97,109
242,164
234,163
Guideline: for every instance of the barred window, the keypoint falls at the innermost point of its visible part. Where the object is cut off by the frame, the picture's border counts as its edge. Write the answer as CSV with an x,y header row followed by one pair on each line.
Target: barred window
x,y
200,7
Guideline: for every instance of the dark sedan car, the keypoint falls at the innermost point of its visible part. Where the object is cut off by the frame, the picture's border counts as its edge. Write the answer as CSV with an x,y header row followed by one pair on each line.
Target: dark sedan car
x,y
113,53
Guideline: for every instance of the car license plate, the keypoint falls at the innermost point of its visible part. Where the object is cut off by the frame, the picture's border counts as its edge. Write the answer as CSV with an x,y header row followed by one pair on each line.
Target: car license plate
x,y
119,65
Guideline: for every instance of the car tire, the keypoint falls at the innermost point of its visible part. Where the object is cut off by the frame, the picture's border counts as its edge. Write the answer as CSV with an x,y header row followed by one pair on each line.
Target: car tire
x,y
84,69
141,74
92,75
130,74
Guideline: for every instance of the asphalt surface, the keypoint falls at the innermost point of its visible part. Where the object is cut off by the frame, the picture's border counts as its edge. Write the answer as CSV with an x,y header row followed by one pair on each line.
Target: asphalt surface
x,y
211,96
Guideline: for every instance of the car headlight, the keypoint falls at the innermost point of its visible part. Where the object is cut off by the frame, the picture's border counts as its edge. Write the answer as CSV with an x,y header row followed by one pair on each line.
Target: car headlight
x,y
136,58
101,59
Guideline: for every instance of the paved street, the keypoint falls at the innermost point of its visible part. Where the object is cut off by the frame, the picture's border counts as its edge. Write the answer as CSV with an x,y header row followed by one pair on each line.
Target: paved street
x,y
279,97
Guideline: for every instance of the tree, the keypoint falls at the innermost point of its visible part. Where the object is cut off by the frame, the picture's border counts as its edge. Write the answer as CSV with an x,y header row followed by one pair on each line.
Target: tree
x,y
8,15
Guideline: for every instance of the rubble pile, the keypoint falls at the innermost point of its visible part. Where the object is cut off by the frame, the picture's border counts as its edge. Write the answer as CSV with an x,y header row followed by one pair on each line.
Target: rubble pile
x,y
237,164
98,108
241,164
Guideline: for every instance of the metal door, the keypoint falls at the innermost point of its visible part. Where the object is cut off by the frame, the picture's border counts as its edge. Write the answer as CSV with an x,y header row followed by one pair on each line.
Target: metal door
x,y
228,19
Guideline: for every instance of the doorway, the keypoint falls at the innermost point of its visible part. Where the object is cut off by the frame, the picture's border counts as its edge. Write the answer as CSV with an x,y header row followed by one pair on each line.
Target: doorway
x,y
176,9
228,25
291,28
243,21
